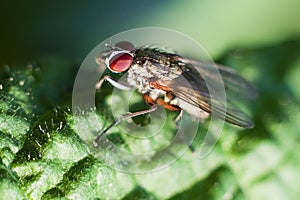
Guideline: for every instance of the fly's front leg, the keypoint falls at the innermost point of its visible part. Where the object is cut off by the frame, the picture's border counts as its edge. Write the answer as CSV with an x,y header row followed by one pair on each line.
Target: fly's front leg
x,y
121,87
126,116
115,83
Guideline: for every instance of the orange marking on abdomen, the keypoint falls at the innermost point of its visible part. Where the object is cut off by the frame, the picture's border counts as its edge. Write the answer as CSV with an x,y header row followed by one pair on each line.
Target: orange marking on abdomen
x,y
148,99
167,105
161,102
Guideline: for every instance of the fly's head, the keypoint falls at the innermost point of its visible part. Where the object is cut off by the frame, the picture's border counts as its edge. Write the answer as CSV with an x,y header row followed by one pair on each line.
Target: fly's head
x,y
118,58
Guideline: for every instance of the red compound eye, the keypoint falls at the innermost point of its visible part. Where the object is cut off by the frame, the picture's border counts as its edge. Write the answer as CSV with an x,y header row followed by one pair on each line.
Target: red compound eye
x,y
120,62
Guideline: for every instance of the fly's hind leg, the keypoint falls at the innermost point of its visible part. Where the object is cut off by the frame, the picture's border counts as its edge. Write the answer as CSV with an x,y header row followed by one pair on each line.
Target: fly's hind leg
x,y
173,108
179,116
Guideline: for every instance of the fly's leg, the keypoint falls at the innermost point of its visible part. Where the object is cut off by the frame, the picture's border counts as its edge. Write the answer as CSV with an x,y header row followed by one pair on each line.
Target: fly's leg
x,y
179,116
190,146
113,82
121,87
169,106
126,116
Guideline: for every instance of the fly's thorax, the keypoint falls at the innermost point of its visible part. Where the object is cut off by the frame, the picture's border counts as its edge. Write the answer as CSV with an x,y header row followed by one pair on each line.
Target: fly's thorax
x,y
150,65
139,77
163,61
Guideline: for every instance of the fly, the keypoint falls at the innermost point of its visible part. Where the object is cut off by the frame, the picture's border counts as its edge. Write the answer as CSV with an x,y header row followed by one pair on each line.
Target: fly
x,y
174,82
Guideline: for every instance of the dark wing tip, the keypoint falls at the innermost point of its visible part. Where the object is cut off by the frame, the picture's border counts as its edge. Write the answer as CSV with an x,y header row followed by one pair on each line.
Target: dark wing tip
x,y
239,119
249,125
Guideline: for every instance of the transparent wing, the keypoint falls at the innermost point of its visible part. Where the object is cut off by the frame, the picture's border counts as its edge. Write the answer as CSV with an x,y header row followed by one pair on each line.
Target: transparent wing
x,y
235,85
201,85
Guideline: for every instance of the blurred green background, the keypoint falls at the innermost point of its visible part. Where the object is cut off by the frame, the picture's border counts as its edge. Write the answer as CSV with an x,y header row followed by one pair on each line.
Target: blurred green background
x,y
44,43
69,29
